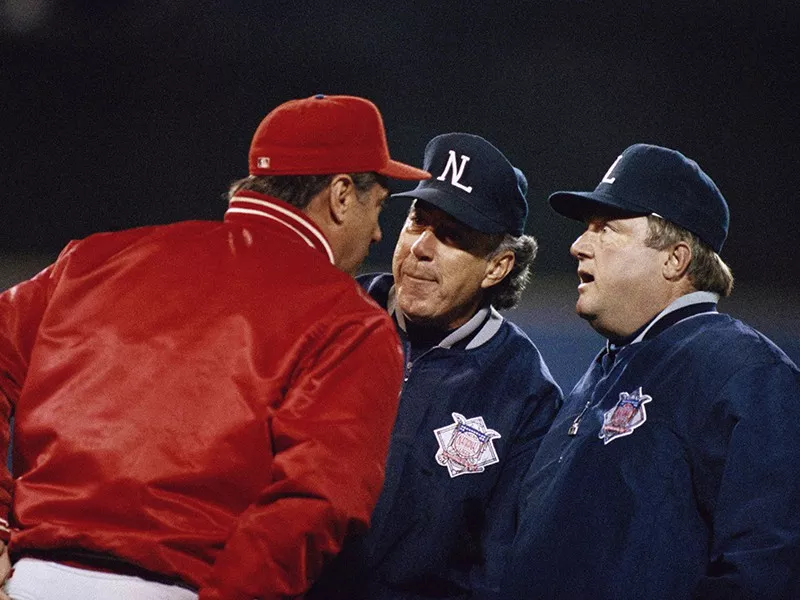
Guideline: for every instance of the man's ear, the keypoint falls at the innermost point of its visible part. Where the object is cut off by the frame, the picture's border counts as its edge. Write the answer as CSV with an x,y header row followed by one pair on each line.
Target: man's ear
x,y
677,262
498,267
341,193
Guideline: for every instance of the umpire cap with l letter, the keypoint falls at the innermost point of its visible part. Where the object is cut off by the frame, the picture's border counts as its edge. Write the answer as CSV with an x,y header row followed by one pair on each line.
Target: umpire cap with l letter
x,y
647,180
322,135
474,182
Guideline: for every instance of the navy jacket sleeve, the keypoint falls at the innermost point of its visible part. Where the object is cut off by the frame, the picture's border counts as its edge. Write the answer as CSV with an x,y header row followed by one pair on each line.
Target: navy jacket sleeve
x,y
755,551
502,510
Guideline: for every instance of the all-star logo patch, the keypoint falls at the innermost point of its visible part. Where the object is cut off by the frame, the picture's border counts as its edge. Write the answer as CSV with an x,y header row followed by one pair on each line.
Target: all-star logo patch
x,y
466,446
628,414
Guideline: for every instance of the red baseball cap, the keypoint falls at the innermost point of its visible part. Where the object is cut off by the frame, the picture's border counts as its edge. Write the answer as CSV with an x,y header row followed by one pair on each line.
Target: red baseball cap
x,y
322,135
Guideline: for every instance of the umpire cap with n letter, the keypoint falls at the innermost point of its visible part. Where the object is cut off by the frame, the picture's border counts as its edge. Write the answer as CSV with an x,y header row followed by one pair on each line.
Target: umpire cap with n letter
x,y
474,182
323,135
654,180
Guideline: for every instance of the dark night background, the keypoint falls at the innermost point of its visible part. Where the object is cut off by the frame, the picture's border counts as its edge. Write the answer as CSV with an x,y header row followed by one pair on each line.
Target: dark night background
x,y
118,114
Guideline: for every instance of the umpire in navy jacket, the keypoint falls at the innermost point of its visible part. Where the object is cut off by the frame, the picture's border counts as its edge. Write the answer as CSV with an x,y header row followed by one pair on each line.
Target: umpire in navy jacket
x,y
673,469
477,396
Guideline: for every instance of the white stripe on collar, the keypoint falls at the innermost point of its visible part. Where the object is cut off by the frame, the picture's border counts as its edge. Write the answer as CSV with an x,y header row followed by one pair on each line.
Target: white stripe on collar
x,y
488,320
302,227
686,300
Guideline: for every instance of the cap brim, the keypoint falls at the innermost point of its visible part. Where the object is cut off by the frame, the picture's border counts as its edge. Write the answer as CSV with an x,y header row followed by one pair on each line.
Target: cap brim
x,y
398,170
579,205
455,207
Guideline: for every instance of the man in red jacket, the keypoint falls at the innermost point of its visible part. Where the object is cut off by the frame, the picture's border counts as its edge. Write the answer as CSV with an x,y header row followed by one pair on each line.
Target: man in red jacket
x,y
203,408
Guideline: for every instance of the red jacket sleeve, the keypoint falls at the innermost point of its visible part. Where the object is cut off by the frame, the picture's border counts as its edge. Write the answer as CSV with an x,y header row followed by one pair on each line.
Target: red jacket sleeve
x,y
21,310
330,437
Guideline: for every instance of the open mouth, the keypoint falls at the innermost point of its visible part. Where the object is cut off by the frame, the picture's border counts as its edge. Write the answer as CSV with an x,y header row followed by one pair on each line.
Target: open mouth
x,y
585,277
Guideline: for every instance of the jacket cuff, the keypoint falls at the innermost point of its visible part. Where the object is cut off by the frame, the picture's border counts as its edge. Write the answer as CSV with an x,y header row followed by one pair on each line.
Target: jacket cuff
x,y
5,531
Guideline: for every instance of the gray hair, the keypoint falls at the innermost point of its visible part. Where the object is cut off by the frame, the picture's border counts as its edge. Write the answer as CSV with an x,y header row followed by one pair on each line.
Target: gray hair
x,y
707,271
508,292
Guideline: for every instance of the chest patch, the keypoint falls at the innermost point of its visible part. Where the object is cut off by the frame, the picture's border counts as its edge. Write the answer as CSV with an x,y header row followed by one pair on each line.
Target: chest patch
x,y
466,446
628,414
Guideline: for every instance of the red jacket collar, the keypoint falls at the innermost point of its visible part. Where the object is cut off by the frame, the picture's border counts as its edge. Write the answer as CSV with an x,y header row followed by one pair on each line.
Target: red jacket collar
x,y
252,204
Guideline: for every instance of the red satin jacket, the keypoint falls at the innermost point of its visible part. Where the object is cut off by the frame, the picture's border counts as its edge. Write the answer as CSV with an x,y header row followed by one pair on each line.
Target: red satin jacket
x,y
209,401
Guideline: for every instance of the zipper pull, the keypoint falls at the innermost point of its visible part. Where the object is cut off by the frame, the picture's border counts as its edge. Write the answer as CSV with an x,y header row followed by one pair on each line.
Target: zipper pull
x,y
573,429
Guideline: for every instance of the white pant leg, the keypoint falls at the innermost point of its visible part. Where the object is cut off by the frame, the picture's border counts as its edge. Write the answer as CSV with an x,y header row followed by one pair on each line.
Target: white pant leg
x,y
35,579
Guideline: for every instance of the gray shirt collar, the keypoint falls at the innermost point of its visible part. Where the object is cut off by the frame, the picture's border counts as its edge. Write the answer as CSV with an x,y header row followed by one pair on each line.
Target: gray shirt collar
x,y
686,300
486,322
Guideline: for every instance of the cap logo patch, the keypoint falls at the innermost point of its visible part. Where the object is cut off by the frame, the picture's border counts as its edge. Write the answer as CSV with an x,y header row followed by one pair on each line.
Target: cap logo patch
x,y
606,178
628,414
466,447
458,171
263,162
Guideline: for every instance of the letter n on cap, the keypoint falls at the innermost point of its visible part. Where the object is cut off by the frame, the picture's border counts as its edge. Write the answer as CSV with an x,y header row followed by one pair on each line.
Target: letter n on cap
x,y
458,171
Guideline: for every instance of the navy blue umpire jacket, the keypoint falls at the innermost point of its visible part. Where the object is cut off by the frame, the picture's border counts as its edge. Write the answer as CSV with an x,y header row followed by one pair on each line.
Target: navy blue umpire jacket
x,y
681,478
471,418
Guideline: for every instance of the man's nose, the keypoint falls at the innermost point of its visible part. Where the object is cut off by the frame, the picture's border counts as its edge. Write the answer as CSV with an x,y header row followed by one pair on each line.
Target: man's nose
x,y
424,246
582,247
